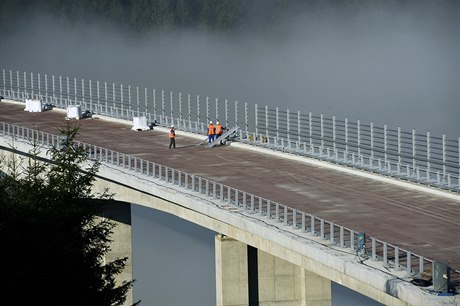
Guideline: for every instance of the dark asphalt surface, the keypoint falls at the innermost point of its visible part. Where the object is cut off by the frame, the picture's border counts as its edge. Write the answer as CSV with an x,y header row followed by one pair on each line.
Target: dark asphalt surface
x,y
423,223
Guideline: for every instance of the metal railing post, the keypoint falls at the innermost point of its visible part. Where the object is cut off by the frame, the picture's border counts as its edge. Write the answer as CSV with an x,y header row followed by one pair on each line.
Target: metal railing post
x,y
428,156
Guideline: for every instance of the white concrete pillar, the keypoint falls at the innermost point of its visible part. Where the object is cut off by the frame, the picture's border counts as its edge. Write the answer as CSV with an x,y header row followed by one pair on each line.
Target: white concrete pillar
x,y
282,283
121,245
316,289
279,281
231,272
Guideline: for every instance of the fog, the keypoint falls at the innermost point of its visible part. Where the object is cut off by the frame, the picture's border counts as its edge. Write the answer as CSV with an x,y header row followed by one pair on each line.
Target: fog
x,y
391,65
381,64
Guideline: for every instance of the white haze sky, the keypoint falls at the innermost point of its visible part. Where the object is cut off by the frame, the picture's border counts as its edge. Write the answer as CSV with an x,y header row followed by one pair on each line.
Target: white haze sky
x,y
400,68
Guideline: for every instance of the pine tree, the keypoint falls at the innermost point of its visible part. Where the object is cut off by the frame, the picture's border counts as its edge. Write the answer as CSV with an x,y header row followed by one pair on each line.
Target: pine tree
x,y
53,243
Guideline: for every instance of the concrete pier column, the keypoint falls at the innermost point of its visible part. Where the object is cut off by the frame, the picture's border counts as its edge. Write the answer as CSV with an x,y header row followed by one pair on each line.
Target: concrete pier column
x,y
316,290
279,282
231,272
121,246
283,283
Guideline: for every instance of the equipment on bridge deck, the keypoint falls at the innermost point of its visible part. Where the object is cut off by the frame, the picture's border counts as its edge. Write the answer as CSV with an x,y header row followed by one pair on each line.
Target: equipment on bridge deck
x,y
441,277
73,112
33,105
140,124
87,114
152,124
361,244
228,135
36,105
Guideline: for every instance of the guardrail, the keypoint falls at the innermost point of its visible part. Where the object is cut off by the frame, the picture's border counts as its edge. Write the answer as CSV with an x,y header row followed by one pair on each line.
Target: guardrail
x,y
334,234
425,159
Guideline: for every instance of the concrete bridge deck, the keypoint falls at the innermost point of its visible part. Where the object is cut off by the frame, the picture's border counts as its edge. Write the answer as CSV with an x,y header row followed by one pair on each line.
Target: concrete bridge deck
x,y
422,222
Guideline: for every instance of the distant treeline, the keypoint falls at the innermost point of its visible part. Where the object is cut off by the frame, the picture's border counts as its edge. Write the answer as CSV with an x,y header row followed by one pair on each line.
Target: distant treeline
x,y
206,15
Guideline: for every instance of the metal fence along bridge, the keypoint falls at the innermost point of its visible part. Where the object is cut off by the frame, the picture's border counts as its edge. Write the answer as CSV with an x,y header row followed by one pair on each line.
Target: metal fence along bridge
x,y
423,158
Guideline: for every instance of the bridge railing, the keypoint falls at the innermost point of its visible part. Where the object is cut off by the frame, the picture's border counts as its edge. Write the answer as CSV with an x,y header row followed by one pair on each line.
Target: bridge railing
x,y
331,234
422,158
425,159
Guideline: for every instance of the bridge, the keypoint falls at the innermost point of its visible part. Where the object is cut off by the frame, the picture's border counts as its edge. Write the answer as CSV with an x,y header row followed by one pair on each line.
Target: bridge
x,y
306,203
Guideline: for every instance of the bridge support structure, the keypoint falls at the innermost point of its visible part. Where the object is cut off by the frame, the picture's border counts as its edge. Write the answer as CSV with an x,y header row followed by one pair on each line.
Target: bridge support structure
x,y
121,245
303,266
275,281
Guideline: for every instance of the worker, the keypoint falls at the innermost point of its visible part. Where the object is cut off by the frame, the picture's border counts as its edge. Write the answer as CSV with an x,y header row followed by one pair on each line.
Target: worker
x,y
172,137
219,129
211,132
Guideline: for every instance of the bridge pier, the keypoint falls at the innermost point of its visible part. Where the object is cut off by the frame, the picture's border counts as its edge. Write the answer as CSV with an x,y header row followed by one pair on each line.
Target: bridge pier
x,y
121,246
278,282
231,272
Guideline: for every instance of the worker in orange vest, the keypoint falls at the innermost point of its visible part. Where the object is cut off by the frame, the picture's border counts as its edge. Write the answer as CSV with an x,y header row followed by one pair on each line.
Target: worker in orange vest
x,y
211,132
219,129
172,137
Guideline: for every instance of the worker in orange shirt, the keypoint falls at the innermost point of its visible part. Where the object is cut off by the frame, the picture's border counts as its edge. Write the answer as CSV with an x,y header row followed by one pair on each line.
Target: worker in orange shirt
x,y
219,129
211,132
172,137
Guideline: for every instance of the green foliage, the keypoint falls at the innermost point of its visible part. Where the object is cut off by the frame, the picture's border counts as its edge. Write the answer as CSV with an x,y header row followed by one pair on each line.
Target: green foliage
x,y
182,17
53,243
223,16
